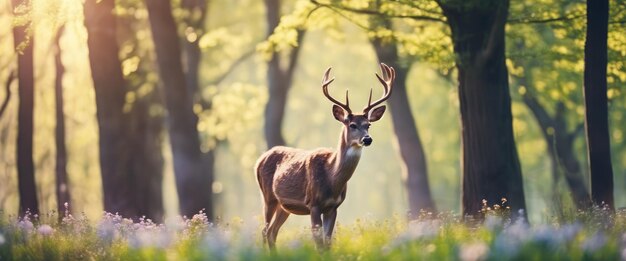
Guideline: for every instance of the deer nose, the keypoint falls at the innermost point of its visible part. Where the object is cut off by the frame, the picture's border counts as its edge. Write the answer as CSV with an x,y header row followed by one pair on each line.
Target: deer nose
x,y
367,140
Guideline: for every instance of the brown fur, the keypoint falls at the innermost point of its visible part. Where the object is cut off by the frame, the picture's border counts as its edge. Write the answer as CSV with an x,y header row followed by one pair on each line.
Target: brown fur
x,y
314,182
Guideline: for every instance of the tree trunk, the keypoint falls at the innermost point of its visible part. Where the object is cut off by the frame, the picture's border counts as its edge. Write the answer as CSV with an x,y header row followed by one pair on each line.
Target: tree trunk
x,y
62,182
596,108
110,89
411,149
278,80
130,159
491,168
560,147
145,139
193,185
26,92
197,10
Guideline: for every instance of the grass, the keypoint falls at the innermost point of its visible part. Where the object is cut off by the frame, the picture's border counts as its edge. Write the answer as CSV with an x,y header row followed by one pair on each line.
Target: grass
x,y
597,234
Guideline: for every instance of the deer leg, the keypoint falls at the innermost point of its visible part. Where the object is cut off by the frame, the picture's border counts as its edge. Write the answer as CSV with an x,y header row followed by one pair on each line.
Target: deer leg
x,y
316,225
329,224
279,219
270,209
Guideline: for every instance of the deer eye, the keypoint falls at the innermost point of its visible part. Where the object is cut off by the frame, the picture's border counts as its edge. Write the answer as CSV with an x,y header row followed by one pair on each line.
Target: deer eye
x,y
367,126
352,126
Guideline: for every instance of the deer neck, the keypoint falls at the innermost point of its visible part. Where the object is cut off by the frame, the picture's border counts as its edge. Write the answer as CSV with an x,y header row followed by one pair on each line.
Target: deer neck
x,y
347,158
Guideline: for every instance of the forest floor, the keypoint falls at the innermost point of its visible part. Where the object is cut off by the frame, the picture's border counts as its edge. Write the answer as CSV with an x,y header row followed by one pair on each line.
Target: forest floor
x,y
597,234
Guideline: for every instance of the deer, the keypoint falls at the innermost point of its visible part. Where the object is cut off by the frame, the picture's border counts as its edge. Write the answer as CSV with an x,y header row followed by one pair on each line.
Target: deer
x,y
314,182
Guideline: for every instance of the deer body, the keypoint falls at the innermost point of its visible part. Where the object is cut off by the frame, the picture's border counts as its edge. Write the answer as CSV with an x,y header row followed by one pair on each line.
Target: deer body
x,y
314,182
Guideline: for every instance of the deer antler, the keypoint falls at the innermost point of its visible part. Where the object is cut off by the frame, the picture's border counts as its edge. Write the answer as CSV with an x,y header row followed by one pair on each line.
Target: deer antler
x,y
325,83
389,75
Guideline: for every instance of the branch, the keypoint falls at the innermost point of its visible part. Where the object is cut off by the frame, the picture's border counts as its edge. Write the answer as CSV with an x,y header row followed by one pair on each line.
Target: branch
x,y
376,12
7,87
232,67
413,5
544,20
540,113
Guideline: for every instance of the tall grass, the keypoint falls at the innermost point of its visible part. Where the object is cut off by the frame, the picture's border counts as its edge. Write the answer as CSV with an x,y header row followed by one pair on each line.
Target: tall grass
x,y
597,234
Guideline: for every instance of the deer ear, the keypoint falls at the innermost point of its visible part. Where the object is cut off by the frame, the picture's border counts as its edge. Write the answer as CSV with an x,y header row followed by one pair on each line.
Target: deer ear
x,y
339,113
376,114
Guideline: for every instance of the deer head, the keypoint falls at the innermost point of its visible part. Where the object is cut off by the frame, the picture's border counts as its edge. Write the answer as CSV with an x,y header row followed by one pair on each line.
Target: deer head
x,y
356,126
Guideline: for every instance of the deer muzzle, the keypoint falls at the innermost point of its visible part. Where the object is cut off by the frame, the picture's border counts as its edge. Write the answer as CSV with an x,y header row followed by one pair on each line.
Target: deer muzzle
x,y
367,140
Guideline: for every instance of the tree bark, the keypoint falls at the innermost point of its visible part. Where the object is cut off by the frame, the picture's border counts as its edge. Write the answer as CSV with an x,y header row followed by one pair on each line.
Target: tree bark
x,y
596,105
491,168
145,139
411,149
131,163
110,89
62,182
24,42
279,80
197,10
193,185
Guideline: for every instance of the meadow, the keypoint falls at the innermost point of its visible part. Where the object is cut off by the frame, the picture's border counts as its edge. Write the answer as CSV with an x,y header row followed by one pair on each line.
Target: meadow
x,y
597,234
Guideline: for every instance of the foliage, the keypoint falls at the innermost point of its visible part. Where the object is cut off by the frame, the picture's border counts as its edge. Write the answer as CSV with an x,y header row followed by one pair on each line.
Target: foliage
x,y
593,235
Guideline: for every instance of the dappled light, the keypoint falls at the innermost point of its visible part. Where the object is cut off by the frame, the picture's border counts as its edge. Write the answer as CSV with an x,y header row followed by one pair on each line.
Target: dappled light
x,y
157,114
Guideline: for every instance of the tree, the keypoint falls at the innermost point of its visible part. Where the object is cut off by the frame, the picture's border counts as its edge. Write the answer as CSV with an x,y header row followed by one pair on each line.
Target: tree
x,y
24,41
491,168
546,86
62,182
193,185
195,19
110,90
560,144
407,136
596,106
279,79
130,160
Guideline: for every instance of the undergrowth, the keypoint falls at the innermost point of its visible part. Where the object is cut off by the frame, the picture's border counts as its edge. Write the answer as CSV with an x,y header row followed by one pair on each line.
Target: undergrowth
x,y
596,234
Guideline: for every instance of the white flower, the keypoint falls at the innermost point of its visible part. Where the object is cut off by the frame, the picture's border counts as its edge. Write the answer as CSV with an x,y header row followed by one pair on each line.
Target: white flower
x,y
474,251
26,225
45,230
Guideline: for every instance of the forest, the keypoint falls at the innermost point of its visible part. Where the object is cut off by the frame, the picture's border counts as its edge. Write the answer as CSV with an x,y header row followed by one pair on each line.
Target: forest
x,y
133,129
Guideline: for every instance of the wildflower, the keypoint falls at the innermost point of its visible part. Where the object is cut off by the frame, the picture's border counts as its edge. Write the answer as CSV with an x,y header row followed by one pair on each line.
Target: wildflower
x,y
45,230
474,251
25,225
510,240
594,242
493,222
106,230
423,229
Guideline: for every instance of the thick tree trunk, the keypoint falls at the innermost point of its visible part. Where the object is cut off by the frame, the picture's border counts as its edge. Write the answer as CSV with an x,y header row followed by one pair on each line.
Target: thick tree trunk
x,y
278,80
414,169
491,168
193,185
62,182
596,108
110,89
26,93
